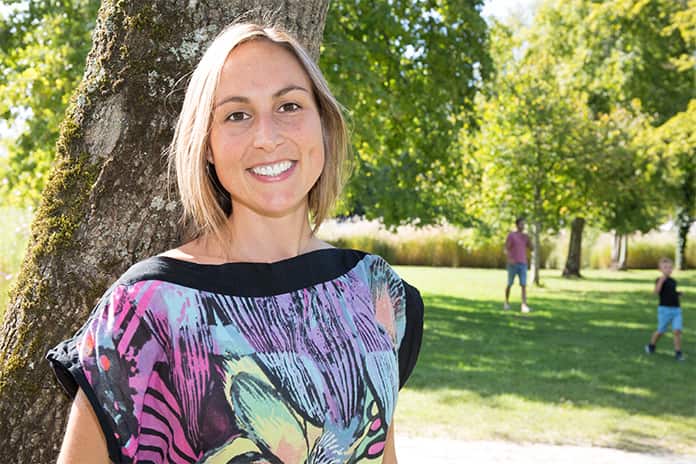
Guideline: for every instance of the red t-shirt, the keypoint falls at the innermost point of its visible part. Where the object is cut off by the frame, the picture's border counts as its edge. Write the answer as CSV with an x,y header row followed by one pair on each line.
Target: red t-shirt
x,y
516,247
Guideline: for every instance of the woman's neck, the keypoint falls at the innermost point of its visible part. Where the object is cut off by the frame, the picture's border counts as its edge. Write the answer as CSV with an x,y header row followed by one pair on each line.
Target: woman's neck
x,y
258,238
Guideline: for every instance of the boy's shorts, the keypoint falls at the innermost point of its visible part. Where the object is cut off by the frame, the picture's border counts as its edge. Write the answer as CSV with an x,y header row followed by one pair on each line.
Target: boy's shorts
x,y
519,269
667,315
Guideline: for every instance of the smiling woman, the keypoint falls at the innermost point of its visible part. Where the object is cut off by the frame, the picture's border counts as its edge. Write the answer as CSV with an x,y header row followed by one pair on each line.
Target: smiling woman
x,y
253,341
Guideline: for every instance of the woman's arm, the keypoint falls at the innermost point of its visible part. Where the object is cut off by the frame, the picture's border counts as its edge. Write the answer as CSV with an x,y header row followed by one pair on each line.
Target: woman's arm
x,y
389,449
84,440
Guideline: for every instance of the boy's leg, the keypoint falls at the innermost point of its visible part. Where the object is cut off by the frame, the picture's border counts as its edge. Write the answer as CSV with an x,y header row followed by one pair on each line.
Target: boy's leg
x,y
650,348
664,318
677,328
655,337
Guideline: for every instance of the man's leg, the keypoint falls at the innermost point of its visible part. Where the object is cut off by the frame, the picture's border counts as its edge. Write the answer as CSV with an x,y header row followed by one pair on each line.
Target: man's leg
x,y
522,269
510,280
524,294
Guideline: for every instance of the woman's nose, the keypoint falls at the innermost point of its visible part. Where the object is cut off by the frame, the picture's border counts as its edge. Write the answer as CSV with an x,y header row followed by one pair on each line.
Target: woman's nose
x,y
266,134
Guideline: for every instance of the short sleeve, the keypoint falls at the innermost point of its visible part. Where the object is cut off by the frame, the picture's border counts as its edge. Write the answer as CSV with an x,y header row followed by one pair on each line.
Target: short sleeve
x,y
111,359
399,307
410,343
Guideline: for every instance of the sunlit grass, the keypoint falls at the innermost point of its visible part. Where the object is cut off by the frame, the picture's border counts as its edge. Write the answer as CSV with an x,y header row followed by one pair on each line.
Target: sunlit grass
x,y
571,372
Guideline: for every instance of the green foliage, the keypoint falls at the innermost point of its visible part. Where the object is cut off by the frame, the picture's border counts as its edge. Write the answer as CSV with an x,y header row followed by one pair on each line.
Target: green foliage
x,y
407,71
531,151
625,59
43,45
571,372
620,50
624,193
673,149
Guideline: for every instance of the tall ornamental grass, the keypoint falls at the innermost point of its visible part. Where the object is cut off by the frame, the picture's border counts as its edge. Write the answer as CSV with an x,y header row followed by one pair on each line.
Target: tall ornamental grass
x,y
445,245
450,246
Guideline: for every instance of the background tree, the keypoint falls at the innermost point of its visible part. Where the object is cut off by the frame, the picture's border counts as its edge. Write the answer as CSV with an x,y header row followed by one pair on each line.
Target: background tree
x,y
625,192
43,45
626,54
407,72
673,146
106,204
529,144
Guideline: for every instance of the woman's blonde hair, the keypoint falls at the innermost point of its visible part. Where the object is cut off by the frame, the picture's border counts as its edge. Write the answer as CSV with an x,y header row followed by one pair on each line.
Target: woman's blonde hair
x,y
206,205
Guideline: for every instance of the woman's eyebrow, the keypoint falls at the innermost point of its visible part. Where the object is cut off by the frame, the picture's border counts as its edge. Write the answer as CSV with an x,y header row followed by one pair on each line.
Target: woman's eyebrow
x,y
279,93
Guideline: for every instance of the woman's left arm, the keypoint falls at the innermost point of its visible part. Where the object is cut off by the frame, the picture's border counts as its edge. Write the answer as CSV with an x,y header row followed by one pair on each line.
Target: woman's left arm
x,y
389,449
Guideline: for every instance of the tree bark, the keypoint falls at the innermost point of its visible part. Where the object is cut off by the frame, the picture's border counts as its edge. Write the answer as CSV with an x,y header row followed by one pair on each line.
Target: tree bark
x,y
108,202
574,260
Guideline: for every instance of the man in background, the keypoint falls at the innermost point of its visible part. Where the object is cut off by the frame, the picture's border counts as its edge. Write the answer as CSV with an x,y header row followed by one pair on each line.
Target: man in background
x,y
516,246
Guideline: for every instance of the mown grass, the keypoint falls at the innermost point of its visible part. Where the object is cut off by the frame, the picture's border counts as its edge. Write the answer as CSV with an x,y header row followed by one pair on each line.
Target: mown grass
x,y
571,372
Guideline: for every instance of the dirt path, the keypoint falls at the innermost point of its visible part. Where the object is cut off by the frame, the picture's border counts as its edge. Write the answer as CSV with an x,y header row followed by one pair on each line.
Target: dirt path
x,y
413,450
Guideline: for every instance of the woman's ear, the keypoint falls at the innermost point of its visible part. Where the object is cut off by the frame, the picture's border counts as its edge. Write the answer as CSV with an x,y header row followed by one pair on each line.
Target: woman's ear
x,y
209,155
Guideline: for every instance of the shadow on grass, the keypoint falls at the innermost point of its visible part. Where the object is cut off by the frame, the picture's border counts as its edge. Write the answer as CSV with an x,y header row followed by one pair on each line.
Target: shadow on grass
x,y
584,352
632,277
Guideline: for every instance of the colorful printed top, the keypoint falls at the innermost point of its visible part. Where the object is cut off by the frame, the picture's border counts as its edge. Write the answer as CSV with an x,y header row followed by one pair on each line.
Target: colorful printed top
x,y
298,361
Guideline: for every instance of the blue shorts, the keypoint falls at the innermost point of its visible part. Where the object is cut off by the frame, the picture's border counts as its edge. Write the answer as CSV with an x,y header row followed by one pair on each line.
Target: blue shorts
x,y
519,269
667,315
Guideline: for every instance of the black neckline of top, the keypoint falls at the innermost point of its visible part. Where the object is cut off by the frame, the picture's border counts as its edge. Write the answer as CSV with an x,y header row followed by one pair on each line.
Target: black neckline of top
x,y
248,278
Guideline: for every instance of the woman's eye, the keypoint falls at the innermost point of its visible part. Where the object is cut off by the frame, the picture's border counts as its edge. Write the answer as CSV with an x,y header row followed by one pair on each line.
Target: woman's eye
x,y
289,107
238,116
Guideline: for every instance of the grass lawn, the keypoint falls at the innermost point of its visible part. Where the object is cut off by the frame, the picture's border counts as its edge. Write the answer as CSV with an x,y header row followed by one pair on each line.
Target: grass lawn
x,y
571,372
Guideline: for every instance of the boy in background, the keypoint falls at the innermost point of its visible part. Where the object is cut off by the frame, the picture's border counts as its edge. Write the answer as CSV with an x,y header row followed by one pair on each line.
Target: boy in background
x,y
668,310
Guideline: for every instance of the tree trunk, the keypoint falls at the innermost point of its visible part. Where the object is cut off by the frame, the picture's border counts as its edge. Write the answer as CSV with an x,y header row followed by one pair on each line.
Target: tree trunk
x,y
684,221
622,265
574,260
107,202
536,253
615,250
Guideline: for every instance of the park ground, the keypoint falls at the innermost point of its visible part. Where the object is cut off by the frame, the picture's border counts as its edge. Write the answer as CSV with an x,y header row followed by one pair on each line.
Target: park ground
x,y
573,372
412,450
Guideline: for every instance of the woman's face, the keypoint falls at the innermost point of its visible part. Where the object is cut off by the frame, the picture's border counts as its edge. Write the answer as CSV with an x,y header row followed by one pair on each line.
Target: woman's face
x,y
266,135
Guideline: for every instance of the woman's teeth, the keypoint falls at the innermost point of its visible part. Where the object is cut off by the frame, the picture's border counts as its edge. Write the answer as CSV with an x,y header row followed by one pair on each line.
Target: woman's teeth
x,y
272,170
